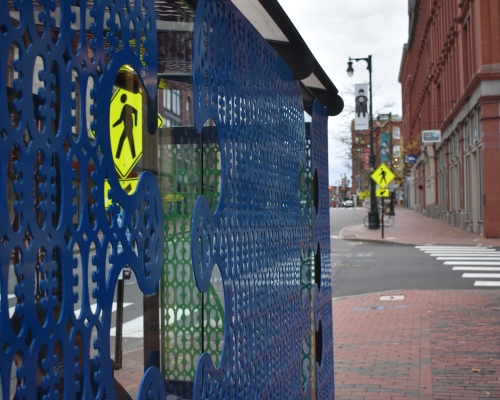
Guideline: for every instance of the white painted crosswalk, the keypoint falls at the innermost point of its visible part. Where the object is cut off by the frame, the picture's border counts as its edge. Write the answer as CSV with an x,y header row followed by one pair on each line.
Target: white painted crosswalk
x,y
474,262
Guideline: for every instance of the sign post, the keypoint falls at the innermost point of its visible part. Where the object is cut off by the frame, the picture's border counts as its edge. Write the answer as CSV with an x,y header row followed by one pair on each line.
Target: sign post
x,y
382,176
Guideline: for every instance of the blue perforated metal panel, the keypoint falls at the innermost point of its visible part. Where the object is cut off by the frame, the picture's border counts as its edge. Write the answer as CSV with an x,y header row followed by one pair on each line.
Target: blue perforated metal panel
x,y
51,55
321,242
259,236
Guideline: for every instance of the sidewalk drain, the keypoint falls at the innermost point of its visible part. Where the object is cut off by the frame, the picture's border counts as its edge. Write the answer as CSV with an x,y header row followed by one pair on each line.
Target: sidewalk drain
x,y
392,298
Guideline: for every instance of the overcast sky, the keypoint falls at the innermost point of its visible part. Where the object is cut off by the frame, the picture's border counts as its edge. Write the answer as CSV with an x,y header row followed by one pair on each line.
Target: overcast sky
x,y
337,29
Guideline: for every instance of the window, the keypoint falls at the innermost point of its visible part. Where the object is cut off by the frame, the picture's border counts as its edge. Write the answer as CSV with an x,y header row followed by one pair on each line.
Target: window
x,y
188,112
467,135
473,127
467,50
479,129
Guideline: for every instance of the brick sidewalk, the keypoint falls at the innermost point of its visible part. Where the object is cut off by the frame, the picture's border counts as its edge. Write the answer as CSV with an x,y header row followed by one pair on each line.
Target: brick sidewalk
x,y
440,345
411,227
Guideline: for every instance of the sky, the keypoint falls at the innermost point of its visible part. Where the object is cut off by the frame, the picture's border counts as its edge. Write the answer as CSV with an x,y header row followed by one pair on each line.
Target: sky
x,y
337,29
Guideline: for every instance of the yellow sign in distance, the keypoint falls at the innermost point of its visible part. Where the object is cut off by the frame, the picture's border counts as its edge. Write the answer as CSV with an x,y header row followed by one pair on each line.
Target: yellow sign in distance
x,y
172,198
161,121
382,175
129,185
382,192
125,130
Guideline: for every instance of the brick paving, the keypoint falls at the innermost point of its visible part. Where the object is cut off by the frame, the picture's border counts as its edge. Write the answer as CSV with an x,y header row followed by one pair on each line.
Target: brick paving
x,y
441,344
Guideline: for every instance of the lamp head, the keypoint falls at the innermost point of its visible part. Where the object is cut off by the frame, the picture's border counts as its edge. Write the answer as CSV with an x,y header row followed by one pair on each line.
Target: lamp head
x,y
350,70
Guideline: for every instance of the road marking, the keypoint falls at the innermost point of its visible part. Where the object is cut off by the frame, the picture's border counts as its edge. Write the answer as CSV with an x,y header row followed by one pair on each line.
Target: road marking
x,y
11,296
476,268
473,259
334,237
133,328
470,258
471,263
495,276
452,247
468,254
93,307
486,283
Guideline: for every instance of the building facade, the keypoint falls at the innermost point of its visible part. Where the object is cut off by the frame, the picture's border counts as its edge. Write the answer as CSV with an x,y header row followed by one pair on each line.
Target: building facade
x,y
450,78
389,149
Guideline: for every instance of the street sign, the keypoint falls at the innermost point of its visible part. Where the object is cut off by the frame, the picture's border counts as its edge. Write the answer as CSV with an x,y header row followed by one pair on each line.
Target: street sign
x,y
382,192
433,136
410,159
125,130
382,176
129,185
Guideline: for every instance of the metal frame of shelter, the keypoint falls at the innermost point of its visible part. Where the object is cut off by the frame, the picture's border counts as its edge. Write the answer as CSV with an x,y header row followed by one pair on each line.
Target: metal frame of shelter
x,y
266,233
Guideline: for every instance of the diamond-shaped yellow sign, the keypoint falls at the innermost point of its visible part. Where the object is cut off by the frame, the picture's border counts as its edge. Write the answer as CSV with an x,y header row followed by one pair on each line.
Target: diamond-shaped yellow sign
x,y
125,127
129,185
382,175
125,130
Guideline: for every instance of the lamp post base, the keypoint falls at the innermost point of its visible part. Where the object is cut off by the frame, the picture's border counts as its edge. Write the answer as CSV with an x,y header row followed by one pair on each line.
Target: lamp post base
x,y
373,220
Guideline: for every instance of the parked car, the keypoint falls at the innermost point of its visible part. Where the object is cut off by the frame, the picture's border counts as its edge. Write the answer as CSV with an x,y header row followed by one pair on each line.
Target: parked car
x,y
348,203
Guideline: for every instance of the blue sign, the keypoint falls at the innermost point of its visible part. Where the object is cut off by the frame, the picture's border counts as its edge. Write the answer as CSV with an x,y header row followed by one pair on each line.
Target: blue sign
x,y
410,159
384,146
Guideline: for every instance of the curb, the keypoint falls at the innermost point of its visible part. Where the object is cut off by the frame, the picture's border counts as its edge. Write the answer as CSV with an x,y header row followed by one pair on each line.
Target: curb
x,y
379,241
400,243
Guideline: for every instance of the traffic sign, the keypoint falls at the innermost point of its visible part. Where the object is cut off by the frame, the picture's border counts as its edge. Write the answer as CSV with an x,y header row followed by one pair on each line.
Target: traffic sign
x,y
129,185
382,175
161,121
125,129
410,159
382,192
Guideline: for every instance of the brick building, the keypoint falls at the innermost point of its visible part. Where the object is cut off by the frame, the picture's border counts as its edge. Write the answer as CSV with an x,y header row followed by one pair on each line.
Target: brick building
x,y
388,149
450,77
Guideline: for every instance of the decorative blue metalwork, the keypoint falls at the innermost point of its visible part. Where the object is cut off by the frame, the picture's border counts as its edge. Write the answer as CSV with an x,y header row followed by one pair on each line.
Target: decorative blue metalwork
x,y
70,49
322,298
259,234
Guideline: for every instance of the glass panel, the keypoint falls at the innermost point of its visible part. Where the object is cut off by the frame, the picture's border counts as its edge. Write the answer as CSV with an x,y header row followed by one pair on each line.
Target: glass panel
x,y
468,190
473,129
467,135
479,124
481,195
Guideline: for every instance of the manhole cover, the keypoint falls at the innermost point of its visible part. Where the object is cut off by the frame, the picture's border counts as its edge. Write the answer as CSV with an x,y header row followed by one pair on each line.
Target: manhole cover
x,y
392,298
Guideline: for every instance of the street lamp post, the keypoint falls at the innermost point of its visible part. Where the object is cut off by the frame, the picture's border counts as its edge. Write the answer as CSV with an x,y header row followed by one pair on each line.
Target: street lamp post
x,y
373,217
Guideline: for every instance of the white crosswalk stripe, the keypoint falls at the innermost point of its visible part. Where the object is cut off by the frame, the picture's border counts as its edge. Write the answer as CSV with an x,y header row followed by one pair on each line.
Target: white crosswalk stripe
x,y
480,262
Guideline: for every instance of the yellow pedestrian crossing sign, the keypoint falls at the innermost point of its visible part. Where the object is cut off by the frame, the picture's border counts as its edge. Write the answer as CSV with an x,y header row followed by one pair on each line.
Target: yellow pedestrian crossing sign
x,y
125,130
129,185
382,192
364,195
382,175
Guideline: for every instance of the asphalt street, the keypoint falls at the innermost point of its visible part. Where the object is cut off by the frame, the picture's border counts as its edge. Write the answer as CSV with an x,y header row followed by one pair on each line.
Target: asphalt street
x,y
363,267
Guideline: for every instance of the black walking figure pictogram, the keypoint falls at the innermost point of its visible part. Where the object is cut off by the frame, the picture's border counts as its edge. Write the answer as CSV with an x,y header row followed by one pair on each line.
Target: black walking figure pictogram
x,y
361,103
127,117
382,174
